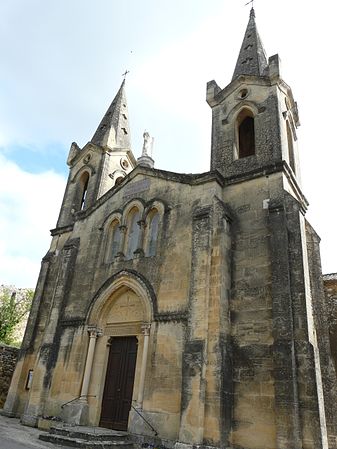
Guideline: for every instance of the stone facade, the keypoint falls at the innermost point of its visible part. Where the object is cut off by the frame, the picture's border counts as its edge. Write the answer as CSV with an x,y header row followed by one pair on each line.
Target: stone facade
x,y
216,275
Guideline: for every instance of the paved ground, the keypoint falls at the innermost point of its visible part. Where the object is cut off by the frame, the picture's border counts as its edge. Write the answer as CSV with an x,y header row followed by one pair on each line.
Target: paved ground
x,y
14,435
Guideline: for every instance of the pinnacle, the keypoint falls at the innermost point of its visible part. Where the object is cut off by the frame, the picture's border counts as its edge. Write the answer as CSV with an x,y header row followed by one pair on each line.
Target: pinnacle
x,y
113,131
252,58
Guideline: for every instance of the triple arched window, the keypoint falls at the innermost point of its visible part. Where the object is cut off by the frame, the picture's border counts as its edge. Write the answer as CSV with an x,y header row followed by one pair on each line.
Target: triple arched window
x,y
133,233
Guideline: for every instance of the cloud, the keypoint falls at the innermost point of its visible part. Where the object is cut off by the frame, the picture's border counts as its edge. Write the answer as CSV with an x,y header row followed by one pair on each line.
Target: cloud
x,y
29,205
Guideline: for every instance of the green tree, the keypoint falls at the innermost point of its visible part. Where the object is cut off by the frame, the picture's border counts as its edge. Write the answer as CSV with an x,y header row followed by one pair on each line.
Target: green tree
x,y
14,307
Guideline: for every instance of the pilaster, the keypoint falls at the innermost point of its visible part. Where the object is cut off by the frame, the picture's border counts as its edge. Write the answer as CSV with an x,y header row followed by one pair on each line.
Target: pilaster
x,y
195,352
206,415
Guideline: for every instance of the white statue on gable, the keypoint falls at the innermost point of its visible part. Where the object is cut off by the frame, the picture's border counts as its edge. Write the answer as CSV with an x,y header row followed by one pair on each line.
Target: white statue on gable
x,y
147,145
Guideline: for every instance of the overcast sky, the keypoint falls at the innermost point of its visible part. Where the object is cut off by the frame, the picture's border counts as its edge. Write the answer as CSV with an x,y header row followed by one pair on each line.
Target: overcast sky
x,y
61,66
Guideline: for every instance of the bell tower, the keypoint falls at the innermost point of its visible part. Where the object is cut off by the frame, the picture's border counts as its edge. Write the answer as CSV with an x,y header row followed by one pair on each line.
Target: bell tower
x,y
254,118
101,164
274,261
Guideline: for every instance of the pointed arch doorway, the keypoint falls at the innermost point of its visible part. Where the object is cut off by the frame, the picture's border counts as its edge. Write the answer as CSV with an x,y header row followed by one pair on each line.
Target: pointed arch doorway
x,y
124,314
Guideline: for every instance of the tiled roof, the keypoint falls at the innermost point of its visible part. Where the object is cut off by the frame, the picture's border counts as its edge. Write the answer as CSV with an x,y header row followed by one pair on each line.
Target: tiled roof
x,y
330,277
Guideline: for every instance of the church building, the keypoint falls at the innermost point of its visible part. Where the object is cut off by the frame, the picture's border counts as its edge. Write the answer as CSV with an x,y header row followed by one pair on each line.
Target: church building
x,y
188,308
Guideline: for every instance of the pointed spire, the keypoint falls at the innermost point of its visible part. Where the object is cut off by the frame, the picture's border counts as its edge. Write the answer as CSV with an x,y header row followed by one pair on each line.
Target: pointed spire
x,y
113,131
252,59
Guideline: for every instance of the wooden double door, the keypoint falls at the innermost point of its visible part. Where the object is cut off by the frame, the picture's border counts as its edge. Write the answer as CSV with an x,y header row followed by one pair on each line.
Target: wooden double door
x,y
119,380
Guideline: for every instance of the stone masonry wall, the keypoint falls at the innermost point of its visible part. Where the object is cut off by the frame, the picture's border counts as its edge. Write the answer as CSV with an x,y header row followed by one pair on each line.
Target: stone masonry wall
x,y
8,357
330,290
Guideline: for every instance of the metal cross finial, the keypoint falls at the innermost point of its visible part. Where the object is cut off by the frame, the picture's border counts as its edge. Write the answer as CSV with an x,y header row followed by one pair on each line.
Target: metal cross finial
x,y
252,2
125,73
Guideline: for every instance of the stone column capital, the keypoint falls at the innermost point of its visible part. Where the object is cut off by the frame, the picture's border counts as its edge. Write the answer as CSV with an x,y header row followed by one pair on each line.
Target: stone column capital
x,y
94,332
141,224
146,328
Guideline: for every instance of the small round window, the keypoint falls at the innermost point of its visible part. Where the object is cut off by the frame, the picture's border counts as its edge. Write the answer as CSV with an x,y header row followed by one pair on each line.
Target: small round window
x,y
119,180
87,158
243,93
124,163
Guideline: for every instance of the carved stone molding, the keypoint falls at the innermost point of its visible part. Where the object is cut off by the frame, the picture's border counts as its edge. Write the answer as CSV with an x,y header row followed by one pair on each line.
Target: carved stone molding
x,y
95,332
73,322
146,328
170,316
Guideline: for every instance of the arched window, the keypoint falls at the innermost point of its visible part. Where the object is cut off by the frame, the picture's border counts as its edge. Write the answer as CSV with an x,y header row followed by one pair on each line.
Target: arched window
x,y
84,181
133,232
245,133
290,148
152,233
113,240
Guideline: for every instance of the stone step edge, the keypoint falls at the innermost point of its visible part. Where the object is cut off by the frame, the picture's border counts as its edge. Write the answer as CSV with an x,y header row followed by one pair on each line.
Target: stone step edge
x,y
80,442
116,433
88,435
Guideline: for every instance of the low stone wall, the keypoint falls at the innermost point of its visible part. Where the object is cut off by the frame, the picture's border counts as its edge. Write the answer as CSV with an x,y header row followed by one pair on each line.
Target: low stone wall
x,y
8,357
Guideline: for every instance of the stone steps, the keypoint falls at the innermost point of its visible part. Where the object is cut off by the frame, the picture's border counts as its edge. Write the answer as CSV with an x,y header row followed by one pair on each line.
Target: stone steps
x,y
87,437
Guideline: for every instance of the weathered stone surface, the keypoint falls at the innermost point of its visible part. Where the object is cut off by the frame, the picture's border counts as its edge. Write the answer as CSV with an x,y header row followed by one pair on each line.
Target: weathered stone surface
x,y
223,294
8,358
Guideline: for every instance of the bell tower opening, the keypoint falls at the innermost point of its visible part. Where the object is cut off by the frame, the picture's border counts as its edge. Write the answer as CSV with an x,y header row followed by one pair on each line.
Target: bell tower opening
x,y
84,181
290,148
245,134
